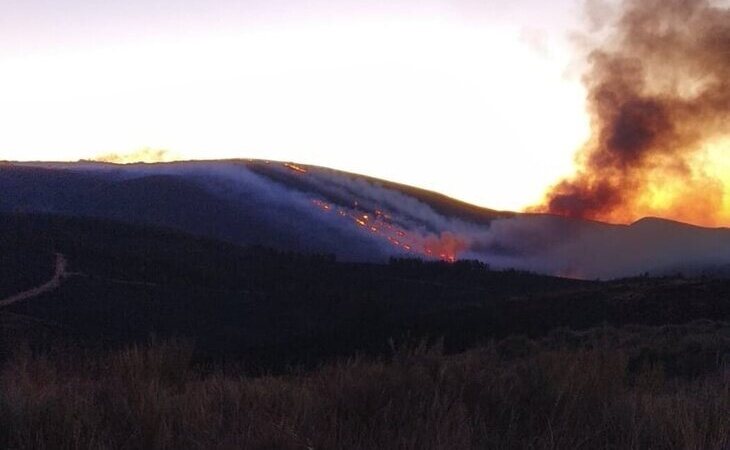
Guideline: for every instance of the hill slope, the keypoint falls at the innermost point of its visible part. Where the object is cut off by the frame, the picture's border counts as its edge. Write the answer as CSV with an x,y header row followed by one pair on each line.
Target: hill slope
x,y
128,283
316,210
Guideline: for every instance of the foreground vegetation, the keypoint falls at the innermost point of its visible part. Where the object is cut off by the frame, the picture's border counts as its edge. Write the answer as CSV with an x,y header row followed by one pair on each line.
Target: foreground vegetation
x,y
634,387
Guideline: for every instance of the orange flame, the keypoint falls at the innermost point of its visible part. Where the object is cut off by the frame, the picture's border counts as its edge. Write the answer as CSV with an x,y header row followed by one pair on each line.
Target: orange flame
x,y
659,100
295,168
447,246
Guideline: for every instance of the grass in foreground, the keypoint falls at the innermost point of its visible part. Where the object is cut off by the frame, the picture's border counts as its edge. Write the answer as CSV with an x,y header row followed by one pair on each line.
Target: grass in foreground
x,y
661,387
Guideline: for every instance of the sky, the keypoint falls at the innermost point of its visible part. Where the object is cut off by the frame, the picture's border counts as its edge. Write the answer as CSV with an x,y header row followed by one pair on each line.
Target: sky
x,y
478,99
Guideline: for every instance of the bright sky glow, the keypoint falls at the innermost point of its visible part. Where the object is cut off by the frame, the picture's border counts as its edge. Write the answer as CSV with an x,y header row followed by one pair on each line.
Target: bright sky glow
x,y
471,98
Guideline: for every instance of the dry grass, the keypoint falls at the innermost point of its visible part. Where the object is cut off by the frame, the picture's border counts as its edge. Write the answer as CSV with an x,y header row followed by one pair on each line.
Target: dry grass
x,y
514,394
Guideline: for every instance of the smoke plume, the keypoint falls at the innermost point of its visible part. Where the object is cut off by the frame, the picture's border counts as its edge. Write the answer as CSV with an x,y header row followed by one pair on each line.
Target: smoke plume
x,y
659,100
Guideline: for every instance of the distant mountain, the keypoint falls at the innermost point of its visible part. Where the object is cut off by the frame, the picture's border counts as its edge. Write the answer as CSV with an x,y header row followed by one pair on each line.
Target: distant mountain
x,y
292,207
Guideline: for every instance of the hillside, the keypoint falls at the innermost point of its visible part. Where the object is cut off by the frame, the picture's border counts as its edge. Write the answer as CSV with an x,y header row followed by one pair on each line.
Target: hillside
x,y
160,339
128,283
315,210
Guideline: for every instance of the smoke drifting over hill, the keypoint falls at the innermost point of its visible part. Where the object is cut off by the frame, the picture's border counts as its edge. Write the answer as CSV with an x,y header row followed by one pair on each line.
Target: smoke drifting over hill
x,y
659,100
311,209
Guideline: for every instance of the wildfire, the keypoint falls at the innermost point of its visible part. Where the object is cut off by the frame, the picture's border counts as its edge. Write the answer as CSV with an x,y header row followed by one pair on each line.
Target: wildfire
x,y
446,247
322,205
378,222
659,100
295,168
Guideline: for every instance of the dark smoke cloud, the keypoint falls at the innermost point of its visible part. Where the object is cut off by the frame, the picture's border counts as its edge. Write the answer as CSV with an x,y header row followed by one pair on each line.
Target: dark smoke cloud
x,y
658,91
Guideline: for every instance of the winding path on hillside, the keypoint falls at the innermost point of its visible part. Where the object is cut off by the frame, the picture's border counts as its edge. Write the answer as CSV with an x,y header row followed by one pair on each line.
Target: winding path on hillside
x,y
59,274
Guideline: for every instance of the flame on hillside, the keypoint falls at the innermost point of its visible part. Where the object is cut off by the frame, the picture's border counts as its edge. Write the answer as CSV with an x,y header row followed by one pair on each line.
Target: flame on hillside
x,y
445,246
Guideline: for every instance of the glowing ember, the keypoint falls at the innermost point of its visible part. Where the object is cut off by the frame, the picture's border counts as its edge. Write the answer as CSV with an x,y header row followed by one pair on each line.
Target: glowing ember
x,y
295,168
445,246
322,205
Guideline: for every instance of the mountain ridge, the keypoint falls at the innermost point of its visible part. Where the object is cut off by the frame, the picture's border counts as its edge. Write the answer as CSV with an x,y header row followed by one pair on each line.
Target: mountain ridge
x,y
294,207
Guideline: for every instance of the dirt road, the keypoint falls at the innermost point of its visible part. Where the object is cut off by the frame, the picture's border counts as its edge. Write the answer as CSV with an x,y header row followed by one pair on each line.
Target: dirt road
x,y
59,274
